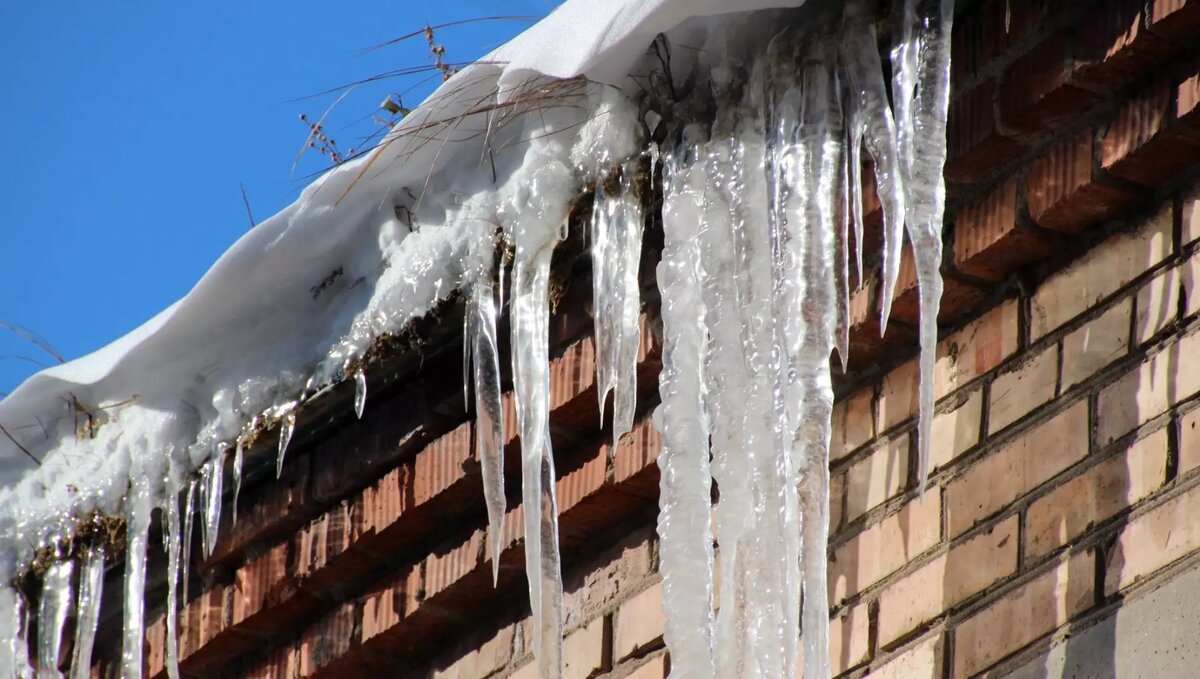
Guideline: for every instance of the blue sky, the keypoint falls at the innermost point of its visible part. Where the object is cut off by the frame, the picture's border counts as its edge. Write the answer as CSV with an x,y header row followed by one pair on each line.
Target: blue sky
x,y
126,129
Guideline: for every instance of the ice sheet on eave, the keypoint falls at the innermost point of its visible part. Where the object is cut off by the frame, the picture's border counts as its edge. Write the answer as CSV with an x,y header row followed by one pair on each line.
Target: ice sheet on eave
x,y
256,304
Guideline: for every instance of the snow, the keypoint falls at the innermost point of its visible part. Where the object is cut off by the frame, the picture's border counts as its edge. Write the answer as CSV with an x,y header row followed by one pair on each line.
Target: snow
x,y
758,203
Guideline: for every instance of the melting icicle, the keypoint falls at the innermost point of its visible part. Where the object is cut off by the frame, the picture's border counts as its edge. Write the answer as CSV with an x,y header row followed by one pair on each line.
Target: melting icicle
x,y
212,476
871,121
137,521
287,427
360,392
14,630
923,81
485,361
189,513
616,234
53,610
686,482
531,386
91,587
238,458
821,128
172,541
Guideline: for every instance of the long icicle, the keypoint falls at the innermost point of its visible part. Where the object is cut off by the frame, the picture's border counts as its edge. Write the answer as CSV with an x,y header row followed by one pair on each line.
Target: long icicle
x,y
686,482
53,609
776,477
823,132
927,56
91,589
485,363
14,628
172,542
138,504
185,540
531,385
616,246
872,122
212,476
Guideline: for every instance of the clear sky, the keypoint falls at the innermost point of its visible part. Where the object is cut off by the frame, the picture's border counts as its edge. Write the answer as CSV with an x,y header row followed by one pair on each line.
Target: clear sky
x,y
127,127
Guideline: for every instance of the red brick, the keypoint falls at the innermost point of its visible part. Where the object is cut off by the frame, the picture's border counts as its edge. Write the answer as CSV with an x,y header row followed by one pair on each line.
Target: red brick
x,y
327,640
948,580
583,651
1036,91
849,640
957,297
1076,506
1189,441
654,669
639,623
978,348
1113,46
1099,273
1017,468
636,455
1175,18
1145,392
1023,388
270,512
482,661
389,602
990,241
885,547
922,661
1157,305
877,477
866,341
1141,144
956,430
449,564
581,477
1024,614
441,463
979,37
265,598
853,423
322,549
1187,100
975,147
1152,540
1065,192
1101,341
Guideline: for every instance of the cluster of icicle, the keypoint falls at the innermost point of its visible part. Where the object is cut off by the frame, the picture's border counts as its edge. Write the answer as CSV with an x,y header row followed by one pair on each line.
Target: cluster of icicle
x,y
757,209
73,586
755,281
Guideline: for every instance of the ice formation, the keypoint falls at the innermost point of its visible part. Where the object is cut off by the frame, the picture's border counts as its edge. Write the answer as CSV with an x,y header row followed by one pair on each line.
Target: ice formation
x,y
760,152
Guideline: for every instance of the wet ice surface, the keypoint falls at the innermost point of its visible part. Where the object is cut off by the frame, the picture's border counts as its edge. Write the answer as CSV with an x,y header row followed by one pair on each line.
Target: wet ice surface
x,y
762,197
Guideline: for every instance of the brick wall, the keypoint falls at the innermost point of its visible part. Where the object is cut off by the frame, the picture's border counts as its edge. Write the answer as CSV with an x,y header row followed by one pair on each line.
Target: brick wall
x,y
1065,449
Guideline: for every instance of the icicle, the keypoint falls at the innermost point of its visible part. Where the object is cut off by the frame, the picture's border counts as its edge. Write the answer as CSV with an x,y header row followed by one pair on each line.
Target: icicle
x,y
14,630
740,388
287,426
238,458
91,587
871,120
53,609
360,392
616,247
841,271
212,476
822,130
776,556
172,541
531,387
924,83
138,504
686,485
189,513
485,356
